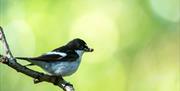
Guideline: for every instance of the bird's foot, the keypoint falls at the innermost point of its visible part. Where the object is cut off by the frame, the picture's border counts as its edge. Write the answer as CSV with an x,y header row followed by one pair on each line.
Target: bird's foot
x,y
59,79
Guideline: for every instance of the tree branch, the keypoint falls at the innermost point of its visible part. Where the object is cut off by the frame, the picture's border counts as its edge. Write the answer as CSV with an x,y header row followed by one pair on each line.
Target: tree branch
x,y
8,59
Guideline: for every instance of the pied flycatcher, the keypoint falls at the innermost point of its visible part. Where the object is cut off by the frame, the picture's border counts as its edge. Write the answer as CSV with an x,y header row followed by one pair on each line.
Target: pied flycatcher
x,y
62,61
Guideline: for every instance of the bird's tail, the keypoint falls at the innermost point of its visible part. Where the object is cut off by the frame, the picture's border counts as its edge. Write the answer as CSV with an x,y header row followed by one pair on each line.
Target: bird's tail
x,y
25,58
22,58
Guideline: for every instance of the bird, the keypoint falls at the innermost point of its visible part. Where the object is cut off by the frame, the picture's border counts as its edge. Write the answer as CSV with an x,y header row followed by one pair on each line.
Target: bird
x,y
62,61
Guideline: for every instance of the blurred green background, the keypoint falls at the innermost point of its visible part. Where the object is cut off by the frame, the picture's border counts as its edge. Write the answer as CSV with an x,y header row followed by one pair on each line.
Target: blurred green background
x,y
136,42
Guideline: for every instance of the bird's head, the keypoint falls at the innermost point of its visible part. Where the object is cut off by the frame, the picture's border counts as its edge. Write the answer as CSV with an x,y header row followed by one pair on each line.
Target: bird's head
x,y
79,44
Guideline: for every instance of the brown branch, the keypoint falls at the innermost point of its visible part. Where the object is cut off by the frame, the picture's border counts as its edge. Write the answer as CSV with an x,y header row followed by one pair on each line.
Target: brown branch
x,y
8,59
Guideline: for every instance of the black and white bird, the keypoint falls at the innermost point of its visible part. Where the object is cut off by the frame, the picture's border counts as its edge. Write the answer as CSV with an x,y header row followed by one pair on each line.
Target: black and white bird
x,y
63,61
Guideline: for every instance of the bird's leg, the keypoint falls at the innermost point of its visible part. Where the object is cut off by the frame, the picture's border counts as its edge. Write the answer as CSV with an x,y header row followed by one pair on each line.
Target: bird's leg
x,y
65,82
56,79
62,81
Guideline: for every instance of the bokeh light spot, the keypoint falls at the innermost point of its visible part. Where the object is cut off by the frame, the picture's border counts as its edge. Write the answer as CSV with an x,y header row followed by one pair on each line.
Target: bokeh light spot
x,y
21,38
167,9
100,32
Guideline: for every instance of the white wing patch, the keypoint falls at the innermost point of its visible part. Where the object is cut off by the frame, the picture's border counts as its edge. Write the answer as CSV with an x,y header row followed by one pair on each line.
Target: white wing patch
x,y
58,53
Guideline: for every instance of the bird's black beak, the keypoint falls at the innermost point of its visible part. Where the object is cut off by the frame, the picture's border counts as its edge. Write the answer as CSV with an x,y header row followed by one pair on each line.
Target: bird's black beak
x,y
88,49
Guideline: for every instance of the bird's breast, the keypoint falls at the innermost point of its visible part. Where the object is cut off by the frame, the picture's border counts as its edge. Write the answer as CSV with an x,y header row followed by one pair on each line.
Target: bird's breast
x,y
63,68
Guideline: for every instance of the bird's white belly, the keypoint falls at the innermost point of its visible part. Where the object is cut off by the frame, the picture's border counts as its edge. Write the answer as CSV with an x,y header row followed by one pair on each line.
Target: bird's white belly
x,y
63,68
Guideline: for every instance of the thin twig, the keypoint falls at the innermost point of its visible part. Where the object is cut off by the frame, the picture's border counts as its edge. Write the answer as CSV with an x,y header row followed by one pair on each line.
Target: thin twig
x,y
9,60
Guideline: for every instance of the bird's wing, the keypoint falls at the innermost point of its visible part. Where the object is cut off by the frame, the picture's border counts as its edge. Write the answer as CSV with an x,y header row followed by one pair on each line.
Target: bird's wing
x,y
53,56
50,56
